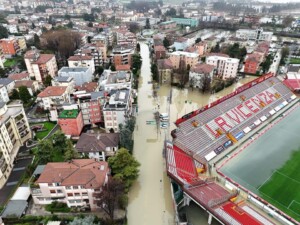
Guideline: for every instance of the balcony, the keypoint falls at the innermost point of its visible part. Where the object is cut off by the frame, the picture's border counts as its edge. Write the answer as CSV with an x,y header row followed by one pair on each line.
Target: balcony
x,y
36,192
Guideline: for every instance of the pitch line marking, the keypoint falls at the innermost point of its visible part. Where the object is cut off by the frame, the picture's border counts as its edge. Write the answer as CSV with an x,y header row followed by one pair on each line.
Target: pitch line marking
x,y
266,180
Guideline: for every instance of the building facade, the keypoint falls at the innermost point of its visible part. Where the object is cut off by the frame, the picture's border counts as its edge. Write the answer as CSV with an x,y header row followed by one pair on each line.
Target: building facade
x,y
200,72
82,61
71,122
9,46
122,55
79,74
225,67
186,57
257,35
53,96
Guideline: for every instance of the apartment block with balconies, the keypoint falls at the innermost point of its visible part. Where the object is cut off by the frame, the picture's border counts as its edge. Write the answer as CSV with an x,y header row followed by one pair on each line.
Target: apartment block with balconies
x,y
14,132
77,183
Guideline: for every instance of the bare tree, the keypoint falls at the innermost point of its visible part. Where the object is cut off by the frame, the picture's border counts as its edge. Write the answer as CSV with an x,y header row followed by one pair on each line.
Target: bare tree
x,y
110,196
205,83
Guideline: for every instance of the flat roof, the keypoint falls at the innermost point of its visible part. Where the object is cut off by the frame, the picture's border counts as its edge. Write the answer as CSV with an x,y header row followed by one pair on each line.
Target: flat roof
x,y
22,193
72,113
14,208
73,69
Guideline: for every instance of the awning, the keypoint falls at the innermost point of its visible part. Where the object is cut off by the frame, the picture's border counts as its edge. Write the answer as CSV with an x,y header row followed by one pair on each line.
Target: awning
x,y
210,156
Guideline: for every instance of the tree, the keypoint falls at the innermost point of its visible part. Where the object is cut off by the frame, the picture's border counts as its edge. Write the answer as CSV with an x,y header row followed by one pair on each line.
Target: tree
x,y
171,12
111,196
166,42
3,32
125,138
205,83
36,41
14,94
44,149
70,152
124,166
70,25
154,71
134,27
113,67
130,124
138,47
100,70
285,51
33,25
2,73
59,140
90,24
287,21
136,63
47,81
198,40
24,94
216,48
148,26
88,17
67,17
87,220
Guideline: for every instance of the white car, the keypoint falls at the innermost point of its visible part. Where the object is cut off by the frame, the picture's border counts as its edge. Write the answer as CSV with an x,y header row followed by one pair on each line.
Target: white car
x,y
163,126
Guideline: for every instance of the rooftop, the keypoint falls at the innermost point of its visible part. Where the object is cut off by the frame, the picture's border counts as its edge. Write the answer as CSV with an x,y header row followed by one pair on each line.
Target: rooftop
x,y
202,68
26,83
19,76
69,114
85,172
88,87
73,69
80,57
52,91
63,79
5,81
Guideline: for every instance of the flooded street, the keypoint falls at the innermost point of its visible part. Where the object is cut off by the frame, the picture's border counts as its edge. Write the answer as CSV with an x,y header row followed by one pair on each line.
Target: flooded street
x,y
150,199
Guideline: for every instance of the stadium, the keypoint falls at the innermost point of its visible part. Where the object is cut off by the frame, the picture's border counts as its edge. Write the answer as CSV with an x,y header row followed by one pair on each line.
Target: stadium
x,y
238,158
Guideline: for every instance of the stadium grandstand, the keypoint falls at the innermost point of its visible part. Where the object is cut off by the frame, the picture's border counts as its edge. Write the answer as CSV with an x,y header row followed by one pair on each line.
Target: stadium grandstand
x,y
211,131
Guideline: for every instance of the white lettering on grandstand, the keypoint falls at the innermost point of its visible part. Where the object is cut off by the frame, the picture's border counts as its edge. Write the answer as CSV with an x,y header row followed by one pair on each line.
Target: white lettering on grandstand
x,y
235,116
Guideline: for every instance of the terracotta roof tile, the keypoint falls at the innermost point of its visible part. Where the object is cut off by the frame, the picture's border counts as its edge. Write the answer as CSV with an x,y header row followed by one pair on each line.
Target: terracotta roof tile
x,y
87,86
125,67
52,91
159,48
85,172
26,83
202,68
80,57
19,76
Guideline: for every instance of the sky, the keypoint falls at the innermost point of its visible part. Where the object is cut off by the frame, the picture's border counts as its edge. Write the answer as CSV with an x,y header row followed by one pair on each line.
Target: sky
x,y
279,1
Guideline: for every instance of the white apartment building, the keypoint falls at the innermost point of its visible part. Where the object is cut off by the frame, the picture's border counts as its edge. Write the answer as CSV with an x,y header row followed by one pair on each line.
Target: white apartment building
x,y
64,82
225,67
76,183
186,57
113,80
53,96
257,35
80,75
117,109
39,65
199,72
3,94
14,132
82,61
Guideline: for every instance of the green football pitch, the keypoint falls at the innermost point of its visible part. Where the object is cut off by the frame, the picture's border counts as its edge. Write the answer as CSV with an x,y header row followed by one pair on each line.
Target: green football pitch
x,y
282,189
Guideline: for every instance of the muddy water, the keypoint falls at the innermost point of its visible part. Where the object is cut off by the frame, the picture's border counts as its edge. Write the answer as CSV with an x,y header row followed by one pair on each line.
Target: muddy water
x,y
150,201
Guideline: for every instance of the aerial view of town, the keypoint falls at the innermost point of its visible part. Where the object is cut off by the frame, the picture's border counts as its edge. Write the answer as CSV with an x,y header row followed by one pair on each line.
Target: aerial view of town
x,y
149,112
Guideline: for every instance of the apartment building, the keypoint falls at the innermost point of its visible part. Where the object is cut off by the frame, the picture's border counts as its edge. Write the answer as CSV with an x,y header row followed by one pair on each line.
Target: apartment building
x,y
14,132
117,109
98,146
21,42
97,52
53,96
252,63
8,83
187,57
79,74
121,55
10,46
165,70
225,67
199,72
71,122
159,52
64,82
256,35
76,183
82,61
113,80
90,105
126,38
2,58
39,66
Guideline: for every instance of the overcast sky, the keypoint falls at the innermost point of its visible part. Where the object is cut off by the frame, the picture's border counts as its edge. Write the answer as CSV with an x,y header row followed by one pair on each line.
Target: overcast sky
x,y
279,1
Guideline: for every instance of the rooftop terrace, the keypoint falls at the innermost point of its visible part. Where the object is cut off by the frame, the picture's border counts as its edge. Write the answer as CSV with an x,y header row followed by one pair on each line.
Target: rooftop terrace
x,y
73,113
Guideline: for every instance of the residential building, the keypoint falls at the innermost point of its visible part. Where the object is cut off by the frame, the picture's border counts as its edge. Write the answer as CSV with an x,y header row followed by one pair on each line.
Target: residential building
x,y
90,105
32,86
225,67
117,109
181,44
21,42
8,83
76,183
123,68
97,52
64,82
257,35
39,66
2,58
98,146
9,46
186,57
167,25
113,80
19,76
82,61
88,87
53,96
3,94
252,63
71,122
159,52
122,55
14,132
126,38
165,70
192,22
79,74
199,73
201,48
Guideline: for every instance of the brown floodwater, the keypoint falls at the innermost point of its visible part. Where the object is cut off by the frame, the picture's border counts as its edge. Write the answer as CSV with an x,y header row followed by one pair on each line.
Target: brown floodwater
x,y
150,201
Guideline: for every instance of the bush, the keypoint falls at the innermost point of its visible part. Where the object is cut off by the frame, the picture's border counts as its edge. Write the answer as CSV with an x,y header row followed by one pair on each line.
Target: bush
x,y
57,207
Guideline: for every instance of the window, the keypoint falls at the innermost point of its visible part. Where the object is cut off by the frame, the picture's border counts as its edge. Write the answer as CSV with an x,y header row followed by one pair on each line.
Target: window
x,y
52,191
68,187
75,187
59,191
77,194
70,194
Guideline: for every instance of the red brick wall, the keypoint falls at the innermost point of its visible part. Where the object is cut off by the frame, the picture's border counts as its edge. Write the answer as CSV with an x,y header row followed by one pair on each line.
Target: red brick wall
x,y
71,126
251,67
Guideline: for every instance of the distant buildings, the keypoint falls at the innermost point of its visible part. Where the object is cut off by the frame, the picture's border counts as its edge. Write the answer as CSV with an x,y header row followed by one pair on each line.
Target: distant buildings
x,y
257,35
75,183
117,109
79,74
82,61
121,55
14,132
98,146
167,25
39,66
225,67
71,122
192,22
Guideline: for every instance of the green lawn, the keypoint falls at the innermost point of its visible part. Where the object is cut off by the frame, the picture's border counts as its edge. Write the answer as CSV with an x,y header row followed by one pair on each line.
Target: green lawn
x,y
48,126
282,189
295,61
10,63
